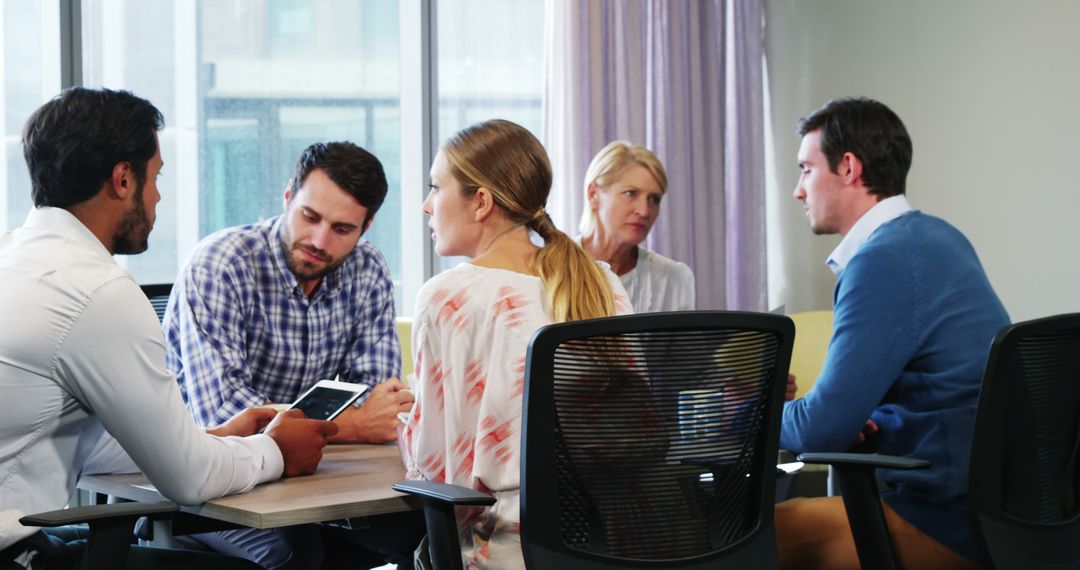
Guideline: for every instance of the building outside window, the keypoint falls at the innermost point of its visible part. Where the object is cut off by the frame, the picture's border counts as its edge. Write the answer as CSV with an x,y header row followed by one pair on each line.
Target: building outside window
x,y
246,85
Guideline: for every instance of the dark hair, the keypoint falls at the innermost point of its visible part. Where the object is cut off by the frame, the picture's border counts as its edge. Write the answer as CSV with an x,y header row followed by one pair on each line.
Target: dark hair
x,y
869,130
73,142
354,169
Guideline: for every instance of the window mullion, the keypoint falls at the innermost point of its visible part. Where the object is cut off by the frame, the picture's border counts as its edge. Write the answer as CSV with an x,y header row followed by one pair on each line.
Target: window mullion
x,y
418,124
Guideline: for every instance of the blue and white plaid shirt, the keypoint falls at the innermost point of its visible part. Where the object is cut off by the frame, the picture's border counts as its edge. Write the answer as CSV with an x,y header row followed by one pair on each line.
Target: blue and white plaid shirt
x,y
241,332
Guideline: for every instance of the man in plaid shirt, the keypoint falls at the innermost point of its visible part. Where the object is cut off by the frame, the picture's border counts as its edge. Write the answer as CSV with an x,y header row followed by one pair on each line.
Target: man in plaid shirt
x,y
262,312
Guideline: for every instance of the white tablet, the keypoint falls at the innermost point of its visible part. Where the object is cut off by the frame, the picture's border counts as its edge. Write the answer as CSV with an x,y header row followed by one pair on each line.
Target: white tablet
x,y
328,398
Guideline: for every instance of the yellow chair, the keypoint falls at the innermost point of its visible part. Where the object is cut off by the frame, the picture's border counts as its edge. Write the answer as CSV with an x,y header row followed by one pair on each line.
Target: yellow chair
x,y
813,329
404,331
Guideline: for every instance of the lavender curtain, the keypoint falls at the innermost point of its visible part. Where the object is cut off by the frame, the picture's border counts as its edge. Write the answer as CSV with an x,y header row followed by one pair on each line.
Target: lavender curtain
x,y
685,80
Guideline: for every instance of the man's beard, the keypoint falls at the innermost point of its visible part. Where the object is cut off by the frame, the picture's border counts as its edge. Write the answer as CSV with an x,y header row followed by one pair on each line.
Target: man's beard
x,y
134,232
305,270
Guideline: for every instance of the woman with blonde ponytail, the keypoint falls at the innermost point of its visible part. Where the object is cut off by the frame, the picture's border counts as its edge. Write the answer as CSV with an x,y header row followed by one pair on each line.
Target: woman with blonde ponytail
x,y
489,185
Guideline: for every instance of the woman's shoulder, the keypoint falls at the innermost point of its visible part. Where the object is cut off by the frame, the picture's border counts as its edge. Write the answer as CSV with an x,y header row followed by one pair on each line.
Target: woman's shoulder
x,y
447,276
660,264
477,276
466,286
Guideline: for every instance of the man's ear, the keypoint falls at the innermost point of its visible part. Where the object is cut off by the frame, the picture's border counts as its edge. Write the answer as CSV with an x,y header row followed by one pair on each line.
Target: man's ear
x,y
368,224
484,203
850,168
288,195
122,183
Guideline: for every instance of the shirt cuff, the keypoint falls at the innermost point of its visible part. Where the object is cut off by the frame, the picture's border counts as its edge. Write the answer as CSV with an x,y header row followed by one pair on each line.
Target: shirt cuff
x,y
273,464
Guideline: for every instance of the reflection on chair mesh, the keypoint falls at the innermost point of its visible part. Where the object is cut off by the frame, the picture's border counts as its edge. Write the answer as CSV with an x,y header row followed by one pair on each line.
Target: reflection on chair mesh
x,y
657,435
1041,482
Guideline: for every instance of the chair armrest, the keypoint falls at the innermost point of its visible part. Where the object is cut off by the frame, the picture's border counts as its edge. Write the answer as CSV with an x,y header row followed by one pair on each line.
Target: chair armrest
x,y
98,512
445,493
439,501
864,460
866,516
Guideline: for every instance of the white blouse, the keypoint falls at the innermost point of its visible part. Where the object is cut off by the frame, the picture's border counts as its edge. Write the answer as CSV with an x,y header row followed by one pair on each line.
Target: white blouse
x,y
470,335
659,284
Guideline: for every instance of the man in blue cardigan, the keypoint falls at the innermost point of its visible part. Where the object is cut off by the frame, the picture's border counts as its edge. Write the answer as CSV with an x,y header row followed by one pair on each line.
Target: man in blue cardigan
x,y
914,316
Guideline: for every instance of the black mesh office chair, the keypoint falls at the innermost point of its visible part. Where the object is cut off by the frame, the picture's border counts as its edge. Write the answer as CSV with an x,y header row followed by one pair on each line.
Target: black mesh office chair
x,y
159,297
1024,485
649,441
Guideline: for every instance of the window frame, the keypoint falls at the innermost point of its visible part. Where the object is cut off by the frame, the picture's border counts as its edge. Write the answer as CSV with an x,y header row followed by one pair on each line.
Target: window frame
x,y
418,116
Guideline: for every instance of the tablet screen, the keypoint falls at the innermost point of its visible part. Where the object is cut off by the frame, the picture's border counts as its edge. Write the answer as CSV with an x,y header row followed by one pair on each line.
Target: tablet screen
x,y
321,403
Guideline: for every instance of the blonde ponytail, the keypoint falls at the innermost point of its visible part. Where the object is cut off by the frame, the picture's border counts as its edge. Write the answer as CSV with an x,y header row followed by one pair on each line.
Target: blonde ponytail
x,y
508,160
576,286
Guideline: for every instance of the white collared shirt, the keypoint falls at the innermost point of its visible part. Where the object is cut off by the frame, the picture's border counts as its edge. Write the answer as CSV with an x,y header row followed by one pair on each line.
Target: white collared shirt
x,y
82,354
658,284
884,211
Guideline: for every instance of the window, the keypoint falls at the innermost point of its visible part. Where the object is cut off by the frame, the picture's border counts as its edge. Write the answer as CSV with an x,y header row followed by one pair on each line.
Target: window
x,y
245,85
490,66
490,61
30,69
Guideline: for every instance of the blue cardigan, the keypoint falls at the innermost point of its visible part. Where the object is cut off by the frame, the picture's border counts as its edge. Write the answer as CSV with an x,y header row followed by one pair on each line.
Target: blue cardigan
x,y
913,321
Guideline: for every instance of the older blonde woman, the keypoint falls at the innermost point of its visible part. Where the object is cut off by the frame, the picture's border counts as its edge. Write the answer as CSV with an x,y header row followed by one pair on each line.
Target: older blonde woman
x,y
623,189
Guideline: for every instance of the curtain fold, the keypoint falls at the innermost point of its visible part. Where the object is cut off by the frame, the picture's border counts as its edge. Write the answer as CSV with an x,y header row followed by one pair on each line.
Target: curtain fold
x,y
685,80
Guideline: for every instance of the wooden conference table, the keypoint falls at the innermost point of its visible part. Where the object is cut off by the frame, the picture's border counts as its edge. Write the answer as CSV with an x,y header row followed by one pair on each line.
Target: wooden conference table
x,y
352,481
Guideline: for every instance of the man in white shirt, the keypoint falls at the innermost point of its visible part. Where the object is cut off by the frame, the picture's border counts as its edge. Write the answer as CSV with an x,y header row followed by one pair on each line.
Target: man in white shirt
x,y
81,352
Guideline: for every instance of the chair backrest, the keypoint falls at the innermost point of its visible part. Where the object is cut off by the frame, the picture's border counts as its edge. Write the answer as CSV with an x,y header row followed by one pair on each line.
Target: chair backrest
x,y
158,294
1025,481
651,440
813,329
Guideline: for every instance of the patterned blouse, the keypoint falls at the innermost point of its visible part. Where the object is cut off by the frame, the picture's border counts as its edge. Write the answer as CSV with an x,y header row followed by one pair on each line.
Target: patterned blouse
x,y
470,334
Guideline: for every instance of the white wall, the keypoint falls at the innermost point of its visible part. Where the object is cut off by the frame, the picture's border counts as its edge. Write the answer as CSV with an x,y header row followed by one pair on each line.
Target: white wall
x,y
990,93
